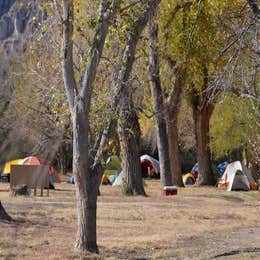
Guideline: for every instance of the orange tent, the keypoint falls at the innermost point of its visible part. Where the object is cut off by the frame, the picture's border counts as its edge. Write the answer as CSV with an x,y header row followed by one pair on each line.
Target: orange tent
x,y
32,160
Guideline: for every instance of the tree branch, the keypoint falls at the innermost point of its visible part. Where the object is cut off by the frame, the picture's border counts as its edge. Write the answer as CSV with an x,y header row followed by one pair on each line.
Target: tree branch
x,y
67,53
106,14
254,7
127,61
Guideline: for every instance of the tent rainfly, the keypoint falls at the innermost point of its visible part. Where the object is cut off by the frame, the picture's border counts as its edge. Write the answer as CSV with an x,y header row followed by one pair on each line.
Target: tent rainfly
x,y
150,166
234,178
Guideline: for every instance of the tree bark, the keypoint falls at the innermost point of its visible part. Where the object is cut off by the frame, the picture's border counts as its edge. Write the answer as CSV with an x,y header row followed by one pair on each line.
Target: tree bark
x,y
202,119
253,4
129,134
203,107
3,214
87,175
174,149
87,181
158,104
125,67
173,105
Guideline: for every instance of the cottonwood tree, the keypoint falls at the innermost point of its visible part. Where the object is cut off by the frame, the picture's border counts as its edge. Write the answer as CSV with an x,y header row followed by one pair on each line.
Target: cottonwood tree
x,y
129,130
170,106
87,168
123,104
158,104
239,82
236,129
3,214
87,176
191,47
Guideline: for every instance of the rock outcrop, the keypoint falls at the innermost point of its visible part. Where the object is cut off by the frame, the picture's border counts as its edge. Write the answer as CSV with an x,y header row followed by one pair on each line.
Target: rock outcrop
x,y
19,20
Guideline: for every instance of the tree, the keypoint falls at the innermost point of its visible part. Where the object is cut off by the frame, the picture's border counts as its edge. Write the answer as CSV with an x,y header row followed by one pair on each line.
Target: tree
x,y
87,168
158,104
123,104
198,55
177,69
87,176
254,7
239,82
233,128
128,122
3,214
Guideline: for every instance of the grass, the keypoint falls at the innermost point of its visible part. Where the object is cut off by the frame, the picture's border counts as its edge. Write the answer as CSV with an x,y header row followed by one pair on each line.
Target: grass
x,y
198,223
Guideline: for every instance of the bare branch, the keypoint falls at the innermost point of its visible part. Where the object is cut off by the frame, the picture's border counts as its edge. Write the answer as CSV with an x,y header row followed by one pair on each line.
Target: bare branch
x,y
127,61
106,14
67,52
254,7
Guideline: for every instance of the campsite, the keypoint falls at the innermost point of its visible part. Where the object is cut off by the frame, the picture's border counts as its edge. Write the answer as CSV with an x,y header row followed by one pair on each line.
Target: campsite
x,y
129,129
199,223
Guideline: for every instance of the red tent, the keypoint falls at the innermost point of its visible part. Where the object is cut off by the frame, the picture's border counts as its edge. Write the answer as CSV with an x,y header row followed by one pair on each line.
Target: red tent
x,y
150,166
32,160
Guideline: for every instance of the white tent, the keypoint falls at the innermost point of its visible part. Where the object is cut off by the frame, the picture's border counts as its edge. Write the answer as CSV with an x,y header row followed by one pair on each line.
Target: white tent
x,y
234,178
118,180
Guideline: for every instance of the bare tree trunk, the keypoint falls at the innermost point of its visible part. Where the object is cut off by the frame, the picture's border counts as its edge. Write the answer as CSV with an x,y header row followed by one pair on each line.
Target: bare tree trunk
x,y
3,214
174,149
87,181
87,175
158,104
124,99
253,4
129,134
172,127
202,119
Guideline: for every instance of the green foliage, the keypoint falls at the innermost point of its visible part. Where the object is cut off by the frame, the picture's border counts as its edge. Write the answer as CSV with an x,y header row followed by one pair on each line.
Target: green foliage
x,y
192,35
234,124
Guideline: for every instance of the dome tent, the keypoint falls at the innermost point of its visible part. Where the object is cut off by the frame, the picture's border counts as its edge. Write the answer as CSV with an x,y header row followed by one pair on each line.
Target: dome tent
x,y
234,178
32,160
150,166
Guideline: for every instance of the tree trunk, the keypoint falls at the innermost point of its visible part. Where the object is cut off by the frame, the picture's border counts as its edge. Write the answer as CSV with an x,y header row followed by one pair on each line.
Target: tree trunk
x,y
254,7
202,120
128,123
87,181
129,134
87,175
174,149
158,105
3,214
173,107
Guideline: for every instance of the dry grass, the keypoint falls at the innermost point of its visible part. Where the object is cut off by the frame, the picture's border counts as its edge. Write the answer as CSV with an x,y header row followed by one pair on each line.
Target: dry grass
x,y
198,223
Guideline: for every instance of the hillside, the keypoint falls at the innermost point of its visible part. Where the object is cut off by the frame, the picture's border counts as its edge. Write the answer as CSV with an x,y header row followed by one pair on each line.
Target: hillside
x,y
18,21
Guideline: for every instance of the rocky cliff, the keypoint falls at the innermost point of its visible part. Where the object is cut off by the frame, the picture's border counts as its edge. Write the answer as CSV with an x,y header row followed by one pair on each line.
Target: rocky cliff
x,y
19,20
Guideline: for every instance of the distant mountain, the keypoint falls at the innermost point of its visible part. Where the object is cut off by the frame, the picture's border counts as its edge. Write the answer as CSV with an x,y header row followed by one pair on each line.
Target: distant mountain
x,y
19,20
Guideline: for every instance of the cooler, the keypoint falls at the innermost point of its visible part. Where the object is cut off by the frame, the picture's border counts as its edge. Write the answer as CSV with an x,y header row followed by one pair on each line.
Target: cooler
x,y
169,190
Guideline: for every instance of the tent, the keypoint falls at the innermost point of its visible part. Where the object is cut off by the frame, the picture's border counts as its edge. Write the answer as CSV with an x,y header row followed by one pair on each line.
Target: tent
x,y
118,180
234,178
188,179
71,180
112,170
195,170
150,166
113,165
222,167
105,180
32,160
7,167
5,176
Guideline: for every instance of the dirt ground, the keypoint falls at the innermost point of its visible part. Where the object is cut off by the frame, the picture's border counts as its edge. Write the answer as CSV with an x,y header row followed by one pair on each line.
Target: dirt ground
x,y
198,223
